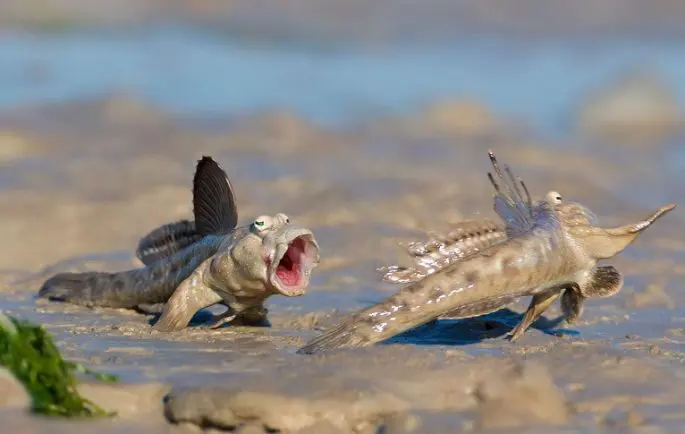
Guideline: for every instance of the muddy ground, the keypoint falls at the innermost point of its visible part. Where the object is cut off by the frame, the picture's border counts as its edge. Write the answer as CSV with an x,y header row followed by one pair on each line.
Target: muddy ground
x,y
83,181
84,176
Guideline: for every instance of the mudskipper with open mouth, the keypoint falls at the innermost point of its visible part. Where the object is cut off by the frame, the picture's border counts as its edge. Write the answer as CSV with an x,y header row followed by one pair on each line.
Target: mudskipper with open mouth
x,y
190,265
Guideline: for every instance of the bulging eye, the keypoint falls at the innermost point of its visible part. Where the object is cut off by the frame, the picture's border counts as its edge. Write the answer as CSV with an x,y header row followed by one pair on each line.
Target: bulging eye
x,y
261,223
282,218
554,197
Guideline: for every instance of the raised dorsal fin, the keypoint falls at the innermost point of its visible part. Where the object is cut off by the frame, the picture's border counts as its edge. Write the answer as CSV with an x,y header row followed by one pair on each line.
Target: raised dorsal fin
x,y
512,200
214,203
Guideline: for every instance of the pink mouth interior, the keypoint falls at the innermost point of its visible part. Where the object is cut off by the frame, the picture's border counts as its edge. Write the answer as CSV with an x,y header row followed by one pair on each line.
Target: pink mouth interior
x,y
289,269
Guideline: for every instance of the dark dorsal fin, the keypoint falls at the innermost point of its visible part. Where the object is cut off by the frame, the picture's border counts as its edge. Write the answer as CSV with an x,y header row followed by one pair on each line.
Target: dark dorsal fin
x,y
213,199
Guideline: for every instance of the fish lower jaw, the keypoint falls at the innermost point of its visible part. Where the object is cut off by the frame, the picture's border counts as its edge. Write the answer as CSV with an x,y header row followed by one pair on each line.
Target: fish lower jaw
x,y
280,287
289,275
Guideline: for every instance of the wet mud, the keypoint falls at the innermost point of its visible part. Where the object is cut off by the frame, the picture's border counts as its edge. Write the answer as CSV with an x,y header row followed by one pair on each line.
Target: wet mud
x,y
86,180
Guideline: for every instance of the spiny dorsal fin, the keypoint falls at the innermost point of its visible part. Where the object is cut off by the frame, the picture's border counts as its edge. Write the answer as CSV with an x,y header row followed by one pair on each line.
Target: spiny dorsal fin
x,y
465,239
214,203
512,199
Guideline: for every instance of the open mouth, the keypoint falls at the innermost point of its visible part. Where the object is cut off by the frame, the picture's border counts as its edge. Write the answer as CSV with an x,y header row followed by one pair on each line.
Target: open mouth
x,y
292,272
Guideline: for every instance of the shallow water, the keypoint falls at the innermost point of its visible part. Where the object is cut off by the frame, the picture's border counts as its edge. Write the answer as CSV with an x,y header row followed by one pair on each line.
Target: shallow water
x,y
198,74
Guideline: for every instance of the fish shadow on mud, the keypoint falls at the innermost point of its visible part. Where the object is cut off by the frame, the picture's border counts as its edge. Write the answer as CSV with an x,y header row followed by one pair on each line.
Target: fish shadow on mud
x,y
474,330
204,317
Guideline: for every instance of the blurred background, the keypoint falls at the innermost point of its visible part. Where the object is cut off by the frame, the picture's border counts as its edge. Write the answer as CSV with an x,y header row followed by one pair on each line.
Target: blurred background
x,y
368,122
357,117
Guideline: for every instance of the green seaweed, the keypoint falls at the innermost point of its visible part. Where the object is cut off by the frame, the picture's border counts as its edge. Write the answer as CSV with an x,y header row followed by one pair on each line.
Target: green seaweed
x,y
28,351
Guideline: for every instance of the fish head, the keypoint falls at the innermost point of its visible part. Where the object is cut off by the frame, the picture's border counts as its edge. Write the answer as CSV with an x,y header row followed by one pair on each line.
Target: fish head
x,y
279,254
597,242
569,214
553,212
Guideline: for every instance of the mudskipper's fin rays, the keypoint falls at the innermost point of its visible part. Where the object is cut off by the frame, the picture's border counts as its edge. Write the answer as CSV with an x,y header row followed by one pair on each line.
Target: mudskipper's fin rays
x,y
538,305
606,281
512,200
214,203
465,239
215,212
572,302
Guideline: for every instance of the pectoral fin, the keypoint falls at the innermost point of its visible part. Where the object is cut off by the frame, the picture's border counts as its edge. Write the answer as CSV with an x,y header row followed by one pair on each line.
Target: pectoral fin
x,y
464,240
190,296
538,305
572,302
605,282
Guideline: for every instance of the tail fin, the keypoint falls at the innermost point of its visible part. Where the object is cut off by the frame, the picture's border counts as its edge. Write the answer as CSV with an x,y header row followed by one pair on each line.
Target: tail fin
x,y
94,289
73,287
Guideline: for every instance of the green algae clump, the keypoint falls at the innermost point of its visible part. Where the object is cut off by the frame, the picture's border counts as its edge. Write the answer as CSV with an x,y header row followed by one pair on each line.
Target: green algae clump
x,y
28,351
